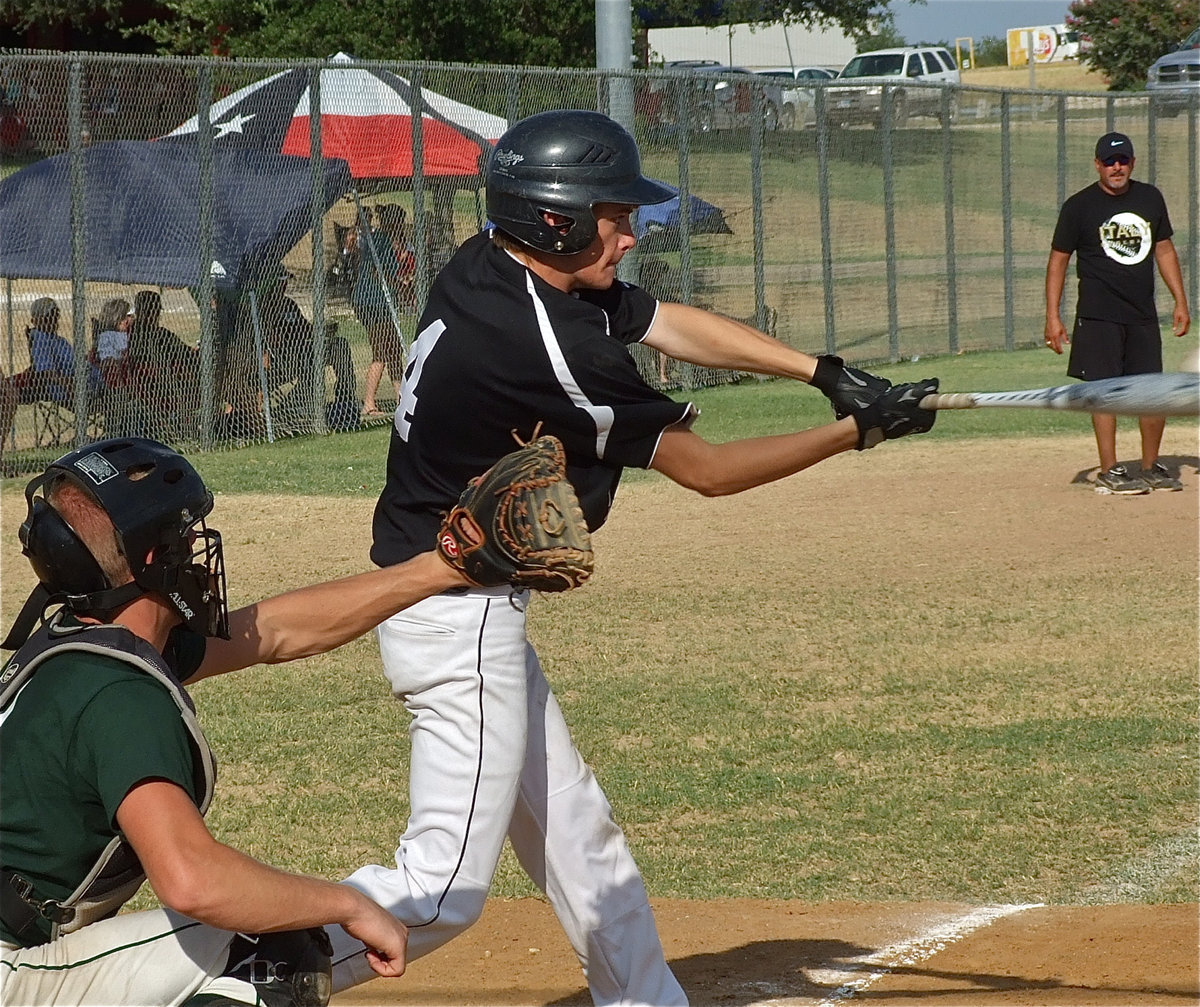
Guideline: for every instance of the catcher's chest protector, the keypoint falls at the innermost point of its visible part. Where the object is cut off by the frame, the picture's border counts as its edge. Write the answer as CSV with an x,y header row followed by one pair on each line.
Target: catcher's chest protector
x,y
117,873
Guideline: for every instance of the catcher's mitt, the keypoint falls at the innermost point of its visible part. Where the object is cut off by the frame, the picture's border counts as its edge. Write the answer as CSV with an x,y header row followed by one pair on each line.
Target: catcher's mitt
x,y
520,523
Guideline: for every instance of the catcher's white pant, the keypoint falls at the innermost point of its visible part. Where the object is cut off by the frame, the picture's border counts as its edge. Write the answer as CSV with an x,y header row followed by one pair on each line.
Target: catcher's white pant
x,y
154,957
492,756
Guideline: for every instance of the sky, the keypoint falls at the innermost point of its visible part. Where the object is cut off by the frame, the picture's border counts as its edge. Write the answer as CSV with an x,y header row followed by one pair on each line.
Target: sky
x,y
946,20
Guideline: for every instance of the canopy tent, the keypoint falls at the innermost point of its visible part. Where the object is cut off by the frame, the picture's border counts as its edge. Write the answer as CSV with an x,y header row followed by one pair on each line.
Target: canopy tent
x,y
141,205
366,119
658,226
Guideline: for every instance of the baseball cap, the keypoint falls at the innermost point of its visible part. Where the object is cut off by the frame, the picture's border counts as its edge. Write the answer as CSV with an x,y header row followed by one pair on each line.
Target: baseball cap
x,y
1111,144
43,307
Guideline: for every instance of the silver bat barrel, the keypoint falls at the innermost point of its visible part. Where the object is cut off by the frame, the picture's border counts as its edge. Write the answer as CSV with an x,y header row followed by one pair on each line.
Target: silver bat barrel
x,y
1136,395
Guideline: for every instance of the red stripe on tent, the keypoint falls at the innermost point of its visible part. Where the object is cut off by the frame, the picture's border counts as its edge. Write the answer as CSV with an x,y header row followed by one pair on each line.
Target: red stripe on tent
x,y
380,146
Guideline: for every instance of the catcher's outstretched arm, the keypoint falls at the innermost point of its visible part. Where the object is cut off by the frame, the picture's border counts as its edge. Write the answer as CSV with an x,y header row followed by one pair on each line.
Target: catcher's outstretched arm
x,y
315,619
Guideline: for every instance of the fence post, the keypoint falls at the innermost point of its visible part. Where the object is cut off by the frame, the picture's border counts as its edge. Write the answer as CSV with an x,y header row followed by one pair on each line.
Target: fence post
x,y
420,231
889,221
512,95
78,246
209,376
1006,216
1062,150
316,161
683,132
687,289
1193,205
1152,141
757,127
821,112
948,202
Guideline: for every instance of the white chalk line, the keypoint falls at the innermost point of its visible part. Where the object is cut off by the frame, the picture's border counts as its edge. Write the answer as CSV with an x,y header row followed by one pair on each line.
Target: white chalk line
x,y
860,975
1133,881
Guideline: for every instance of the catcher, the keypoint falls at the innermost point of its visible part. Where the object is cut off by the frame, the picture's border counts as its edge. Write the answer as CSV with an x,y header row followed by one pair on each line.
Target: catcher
x,y
116,534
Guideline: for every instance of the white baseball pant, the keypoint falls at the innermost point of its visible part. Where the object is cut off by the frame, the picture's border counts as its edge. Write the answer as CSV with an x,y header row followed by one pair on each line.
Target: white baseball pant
x,y
492,756
153,957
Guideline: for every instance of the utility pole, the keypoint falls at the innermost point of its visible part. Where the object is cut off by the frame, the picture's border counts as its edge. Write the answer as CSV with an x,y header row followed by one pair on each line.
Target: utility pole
x,y
614,51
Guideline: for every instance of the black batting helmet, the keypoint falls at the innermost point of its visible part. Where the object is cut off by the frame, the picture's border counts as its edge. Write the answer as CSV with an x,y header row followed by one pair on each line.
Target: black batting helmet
x,y
157,503
564,162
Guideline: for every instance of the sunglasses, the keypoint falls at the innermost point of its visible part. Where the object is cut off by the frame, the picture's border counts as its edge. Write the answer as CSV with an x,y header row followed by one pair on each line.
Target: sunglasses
x,y
1116,159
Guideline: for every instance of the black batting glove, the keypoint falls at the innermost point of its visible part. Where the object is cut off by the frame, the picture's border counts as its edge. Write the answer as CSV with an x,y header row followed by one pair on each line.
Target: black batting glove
x,y
847,388
896,413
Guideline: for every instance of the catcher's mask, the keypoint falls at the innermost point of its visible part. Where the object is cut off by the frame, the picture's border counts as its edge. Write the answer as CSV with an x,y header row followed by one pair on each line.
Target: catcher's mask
x,y
564,162
157,503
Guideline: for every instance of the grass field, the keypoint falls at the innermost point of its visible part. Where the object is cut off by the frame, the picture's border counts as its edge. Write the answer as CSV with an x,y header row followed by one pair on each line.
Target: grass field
x,y
938,670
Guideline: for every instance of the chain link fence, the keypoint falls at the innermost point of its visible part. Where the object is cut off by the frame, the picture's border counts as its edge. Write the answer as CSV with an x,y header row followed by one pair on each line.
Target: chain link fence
x,y
903,221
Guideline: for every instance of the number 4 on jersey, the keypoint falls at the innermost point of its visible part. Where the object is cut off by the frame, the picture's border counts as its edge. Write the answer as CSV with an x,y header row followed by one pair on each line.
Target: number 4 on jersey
x,y
421,349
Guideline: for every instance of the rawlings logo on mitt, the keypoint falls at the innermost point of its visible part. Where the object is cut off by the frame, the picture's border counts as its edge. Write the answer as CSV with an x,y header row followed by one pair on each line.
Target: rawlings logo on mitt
x,y
520,523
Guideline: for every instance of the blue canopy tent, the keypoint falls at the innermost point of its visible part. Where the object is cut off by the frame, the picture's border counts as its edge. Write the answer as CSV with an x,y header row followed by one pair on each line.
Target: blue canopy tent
x,y
141,205
142,210
658,226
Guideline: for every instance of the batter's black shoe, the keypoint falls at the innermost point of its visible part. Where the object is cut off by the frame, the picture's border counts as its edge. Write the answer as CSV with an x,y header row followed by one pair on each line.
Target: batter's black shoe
x,y
1158,478
1119,482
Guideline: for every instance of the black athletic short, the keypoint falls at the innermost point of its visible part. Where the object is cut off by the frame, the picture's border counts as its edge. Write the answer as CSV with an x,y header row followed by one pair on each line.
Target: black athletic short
x,y
1102,349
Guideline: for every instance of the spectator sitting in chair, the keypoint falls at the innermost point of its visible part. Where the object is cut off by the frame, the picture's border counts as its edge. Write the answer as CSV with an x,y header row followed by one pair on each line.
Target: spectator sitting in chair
x,y
112,327
166,367
111,354
50,376
288,339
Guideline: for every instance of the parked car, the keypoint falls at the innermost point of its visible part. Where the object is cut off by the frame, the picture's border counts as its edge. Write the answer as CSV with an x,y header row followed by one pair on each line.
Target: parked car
x,y
1175,77
861,100
717,99
797,104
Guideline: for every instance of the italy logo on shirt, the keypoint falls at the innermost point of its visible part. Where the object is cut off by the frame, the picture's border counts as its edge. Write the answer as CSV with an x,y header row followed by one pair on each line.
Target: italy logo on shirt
x,y
1125,238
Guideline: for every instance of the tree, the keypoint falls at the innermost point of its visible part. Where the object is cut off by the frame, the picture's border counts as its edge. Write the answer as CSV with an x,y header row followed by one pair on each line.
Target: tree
x,y
529,32
856,17
992,50
880,34
1126,36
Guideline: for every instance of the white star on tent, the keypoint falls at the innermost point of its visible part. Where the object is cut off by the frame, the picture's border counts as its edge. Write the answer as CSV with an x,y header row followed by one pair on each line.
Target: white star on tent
x,y
234,125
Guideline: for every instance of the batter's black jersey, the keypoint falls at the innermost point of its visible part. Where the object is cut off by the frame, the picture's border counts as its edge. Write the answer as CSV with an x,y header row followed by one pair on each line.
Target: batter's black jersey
x,y
499,351
1113,237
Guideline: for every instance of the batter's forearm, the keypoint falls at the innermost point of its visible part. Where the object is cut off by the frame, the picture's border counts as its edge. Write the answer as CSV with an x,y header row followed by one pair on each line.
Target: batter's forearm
x,y
721,469
709,340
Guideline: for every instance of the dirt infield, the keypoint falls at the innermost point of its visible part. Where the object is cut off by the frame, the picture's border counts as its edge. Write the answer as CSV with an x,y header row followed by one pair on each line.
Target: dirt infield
x,y
742,951
1035,497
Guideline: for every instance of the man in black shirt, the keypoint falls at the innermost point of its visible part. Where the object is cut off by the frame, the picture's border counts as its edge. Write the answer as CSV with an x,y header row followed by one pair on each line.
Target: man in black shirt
x,y
527,328
1119,229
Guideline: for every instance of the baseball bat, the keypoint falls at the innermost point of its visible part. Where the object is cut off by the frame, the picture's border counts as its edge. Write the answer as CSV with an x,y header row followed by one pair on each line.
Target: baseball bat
x,y
1135,395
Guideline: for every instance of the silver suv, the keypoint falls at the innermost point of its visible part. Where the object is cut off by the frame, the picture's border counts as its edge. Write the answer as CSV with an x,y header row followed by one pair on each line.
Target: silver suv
x,y
1173,78
867,74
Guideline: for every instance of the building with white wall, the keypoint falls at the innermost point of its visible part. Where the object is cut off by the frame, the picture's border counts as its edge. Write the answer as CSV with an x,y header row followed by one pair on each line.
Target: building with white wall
x,y
753,46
